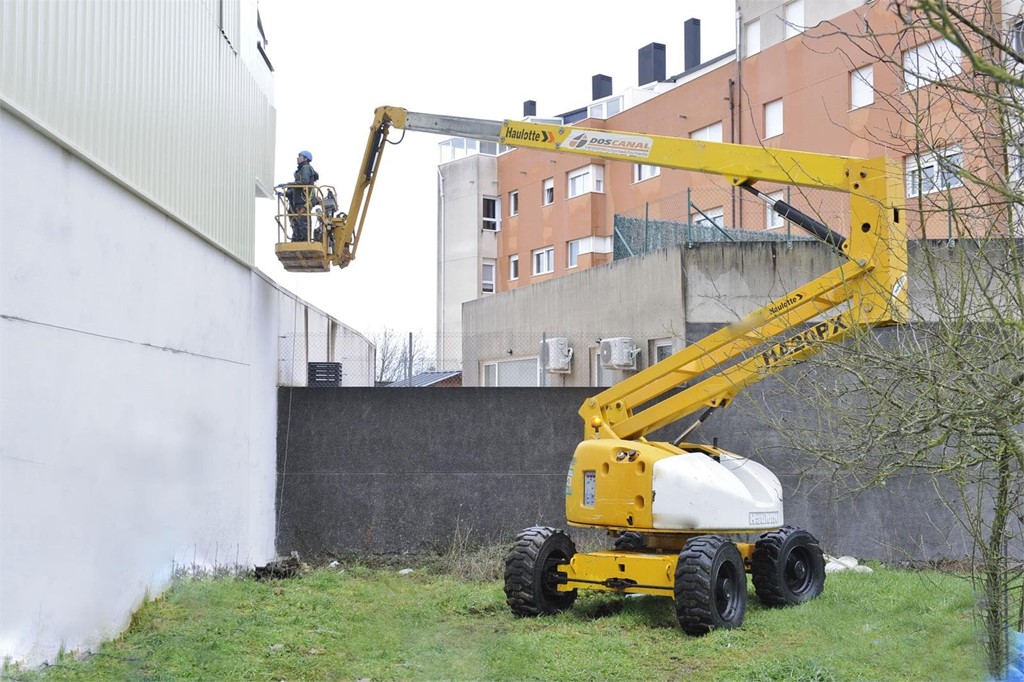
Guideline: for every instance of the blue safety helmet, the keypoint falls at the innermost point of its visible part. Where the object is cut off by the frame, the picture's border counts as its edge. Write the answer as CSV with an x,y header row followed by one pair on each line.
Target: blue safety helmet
x,y
308,155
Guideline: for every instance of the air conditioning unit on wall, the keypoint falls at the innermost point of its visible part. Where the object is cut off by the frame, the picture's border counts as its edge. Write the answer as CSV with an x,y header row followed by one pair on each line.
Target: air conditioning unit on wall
x,y
559,356
619,353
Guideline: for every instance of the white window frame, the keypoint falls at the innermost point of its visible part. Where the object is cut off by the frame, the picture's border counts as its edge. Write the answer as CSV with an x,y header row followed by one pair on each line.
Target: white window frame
x,y
490,223
937,168
794,18
931,62
709,133
862,87
1015,35
717,215
752,38
773,220
606,109
548,192
773,118
543,260
513,203
572,249
493,367
513,268
659,345
584,181
488,275
642,171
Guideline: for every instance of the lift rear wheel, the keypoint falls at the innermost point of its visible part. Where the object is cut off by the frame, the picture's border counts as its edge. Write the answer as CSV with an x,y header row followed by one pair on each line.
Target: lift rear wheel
x,y
787,567
710,585
531,575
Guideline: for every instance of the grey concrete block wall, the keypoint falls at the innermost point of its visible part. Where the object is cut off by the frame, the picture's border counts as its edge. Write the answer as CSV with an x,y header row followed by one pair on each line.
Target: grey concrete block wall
x,y
401,469
375,470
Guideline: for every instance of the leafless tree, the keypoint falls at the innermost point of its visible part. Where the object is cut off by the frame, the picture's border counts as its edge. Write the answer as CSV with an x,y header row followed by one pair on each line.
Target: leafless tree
x,y
393,353
942,398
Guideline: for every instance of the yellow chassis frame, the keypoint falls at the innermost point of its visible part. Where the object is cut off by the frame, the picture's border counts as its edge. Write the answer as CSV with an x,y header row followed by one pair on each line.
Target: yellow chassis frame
x,y
634,572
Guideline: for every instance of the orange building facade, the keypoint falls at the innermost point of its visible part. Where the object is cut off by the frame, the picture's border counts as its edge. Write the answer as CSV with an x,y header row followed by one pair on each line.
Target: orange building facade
x,y
818,84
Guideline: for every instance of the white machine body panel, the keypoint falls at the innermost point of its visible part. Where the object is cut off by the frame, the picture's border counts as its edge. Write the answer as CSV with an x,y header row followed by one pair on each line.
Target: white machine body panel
x,y
693,491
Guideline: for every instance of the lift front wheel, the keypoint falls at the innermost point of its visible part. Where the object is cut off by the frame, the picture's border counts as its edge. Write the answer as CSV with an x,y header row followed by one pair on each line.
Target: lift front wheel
x,y
788,567
710,585
531,575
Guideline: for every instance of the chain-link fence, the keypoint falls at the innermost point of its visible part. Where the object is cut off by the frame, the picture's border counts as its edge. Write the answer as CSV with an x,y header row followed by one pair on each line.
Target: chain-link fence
x,y
723,214
493,359
553,358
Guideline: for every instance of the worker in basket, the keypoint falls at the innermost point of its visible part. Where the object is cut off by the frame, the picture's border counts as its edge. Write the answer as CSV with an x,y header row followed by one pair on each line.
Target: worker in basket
x,y
301,196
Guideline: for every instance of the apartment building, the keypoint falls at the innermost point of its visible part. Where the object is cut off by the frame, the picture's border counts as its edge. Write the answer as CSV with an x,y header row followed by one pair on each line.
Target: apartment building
x,y
801,79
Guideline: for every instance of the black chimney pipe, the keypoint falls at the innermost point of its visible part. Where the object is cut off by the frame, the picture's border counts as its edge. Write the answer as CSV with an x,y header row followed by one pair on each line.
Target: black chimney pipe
x,y
652,63
691,44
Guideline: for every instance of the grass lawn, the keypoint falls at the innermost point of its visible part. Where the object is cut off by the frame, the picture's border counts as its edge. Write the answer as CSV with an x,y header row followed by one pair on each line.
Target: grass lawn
x,y
372,623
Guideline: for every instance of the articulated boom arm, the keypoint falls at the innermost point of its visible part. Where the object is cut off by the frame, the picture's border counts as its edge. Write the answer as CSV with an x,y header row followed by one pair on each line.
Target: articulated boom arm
x,y
384,119
866,291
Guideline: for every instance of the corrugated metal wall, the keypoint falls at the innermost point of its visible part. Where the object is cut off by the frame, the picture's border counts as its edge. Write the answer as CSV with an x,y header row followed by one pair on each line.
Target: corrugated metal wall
x,y
154,94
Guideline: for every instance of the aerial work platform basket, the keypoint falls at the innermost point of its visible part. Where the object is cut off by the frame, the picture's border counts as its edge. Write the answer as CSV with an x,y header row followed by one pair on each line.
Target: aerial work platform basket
x,y
307,219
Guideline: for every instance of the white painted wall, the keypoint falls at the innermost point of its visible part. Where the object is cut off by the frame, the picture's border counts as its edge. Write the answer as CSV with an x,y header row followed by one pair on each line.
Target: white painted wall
x,y
138,375
462,246
152,92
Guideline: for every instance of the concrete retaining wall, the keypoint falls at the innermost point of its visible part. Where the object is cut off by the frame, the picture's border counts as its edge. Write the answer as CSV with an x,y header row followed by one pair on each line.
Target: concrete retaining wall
x,y
401,470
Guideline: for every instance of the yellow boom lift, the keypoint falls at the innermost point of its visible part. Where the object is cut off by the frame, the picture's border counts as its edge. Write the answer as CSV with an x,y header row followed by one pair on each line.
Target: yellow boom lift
x,y
678,511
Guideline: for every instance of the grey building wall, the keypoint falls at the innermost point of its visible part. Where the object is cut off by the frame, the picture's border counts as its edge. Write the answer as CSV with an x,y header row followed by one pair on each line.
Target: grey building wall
x,y
462,245
658,296
397,471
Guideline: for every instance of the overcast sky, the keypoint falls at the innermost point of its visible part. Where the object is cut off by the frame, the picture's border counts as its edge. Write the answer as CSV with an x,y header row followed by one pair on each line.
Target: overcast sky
x,y
336,62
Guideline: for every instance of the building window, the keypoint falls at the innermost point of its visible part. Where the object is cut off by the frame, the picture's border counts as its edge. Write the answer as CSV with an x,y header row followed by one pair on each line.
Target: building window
x,y
772,219
711,133
930,63
460,147
641,172
794,18
487,276
752,34
708,216
862,87
773,118
518,372
513,267
492,214
513,203
544,260
661,350
934,172
1015,36
1015,153
549,191
586,179
605,109
574,253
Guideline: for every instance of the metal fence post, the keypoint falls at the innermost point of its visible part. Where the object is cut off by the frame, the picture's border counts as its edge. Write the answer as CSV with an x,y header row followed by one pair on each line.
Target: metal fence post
x,y
646,213
408,371
689,219
543,359
789,225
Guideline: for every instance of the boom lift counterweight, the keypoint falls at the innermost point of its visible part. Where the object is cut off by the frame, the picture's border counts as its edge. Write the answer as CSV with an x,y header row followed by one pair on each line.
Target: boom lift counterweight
x,y
673,506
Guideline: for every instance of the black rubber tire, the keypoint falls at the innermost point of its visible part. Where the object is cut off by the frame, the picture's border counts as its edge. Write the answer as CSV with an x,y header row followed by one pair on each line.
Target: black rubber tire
x,y
530,586
630,540
788,567
710,585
